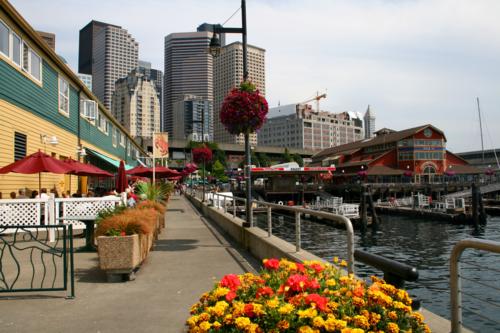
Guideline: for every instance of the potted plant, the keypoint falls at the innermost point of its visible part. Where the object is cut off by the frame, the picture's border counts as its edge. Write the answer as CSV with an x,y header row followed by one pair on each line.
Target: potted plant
x,y
124,241
309,297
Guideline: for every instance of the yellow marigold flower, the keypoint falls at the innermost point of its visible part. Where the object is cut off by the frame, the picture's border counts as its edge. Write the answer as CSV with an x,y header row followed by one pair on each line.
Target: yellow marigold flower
x,y
418,317
331,282
216,325
283,325
358,301
253,328
389,288
228,319
333,305
352,330
221,292
392,315
242,322
340,324
305,329
307,313
258,309
374,318
330,324
343,263
361,322
238,308
336,259
273,303
193,320
205,326
204,316
286,309
400,306
392,328
318,322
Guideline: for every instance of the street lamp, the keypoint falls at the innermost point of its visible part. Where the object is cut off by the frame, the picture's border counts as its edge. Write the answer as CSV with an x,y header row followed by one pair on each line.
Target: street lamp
x,y
214,50
202,121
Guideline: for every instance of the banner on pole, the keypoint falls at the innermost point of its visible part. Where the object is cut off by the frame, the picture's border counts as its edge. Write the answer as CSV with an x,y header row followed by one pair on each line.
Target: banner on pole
x,y
160,145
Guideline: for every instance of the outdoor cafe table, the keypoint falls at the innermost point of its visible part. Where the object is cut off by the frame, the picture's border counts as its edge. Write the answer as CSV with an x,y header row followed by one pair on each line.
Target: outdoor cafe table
x,y
89,231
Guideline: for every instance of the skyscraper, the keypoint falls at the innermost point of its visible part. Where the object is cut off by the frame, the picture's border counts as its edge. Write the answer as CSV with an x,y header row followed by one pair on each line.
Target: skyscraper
x,y
49,38
188,70
108,53
369,123
156,76
228,73
137,107
193,119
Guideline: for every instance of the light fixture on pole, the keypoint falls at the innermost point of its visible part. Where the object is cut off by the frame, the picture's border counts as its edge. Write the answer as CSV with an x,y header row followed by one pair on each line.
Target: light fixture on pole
x,y
214,50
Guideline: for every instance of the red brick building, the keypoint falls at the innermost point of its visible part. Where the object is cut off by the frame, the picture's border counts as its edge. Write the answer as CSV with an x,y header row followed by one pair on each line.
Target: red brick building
x,y
416,154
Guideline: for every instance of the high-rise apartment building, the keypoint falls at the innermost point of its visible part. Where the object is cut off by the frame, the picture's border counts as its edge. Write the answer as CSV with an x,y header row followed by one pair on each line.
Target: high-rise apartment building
x,y
137,107
369,123
193,119
188,70
228,73
298,126
107,52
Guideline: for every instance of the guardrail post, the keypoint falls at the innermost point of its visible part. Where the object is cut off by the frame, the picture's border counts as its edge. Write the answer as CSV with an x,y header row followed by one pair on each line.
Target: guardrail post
x,y
251,213
269,222
455,290
297,231
225,208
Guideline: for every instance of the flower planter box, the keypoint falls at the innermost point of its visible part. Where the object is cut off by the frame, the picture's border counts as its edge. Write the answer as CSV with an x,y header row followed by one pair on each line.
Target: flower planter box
x,y
119,255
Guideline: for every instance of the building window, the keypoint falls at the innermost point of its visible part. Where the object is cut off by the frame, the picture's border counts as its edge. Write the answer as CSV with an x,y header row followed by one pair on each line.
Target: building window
x,y
16,49
128,149
103,124
63,96
115,137
35,66
4,39
88,110
122,139
19,146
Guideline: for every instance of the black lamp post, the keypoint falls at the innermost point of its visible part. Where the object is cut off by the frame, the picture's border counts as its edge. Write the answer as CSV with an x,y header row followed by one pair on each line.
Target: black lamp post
x,y
214,50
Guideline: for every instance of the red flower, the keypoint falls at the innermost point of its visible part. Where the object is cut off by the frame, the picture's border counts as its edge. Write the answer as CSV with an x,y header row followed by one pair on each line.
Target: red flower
x,y
300,267
317,267
248,310
244,110
297,282
272,264
230,296
320,301
231,281
203,154
264,291
122,233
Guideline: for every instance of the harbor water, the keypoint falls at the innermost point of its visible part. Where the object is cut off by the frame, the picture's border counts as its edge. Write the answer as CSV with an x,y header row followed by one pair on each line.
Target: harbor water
x,y
425,245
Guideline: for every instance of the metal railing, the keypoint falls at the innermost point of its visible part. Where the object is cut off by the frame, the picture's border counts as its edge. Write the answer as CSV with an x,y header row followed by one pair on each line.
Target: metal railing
x,y
455,279
222,201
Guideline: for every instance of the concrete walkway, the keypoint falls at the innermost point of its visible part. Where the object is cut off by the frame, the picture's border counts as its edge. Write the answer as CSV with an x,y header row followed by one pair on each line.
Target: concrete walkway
x,y
186,261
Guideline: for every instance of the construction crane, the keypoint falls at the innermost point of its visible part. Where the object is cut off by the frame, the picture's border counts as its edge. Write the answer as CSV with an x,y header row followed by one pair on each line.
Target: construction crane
x,y
315,98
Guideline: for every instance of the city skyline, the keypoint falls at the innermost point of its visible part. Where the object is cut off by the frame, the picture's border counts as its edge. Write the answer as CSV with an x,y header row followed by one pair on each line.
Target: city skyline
x,y
414,62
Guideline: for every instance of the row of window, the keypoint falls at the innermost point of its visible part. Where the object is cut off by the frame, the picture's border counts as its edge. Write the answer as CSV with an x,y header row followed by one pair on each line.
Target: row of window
x,y
420,142
409,156
17,50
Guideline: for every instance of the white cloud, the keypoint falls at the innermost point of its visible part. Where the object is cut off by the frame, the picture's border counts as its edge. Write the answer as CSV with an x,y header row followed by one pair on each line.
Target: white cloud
x,y
415,62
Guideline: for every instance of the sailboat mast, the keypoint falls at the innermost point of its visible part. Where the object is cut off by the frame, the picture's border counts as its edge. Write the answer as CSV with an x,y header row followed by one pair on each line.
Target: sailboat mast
x,y
480,128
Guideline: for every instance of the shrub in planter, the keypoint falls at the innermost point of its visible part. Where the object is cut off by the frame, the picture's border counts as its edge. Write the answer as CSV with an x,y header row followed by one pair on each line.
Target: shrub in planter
x,y
124,240
308,297
158,207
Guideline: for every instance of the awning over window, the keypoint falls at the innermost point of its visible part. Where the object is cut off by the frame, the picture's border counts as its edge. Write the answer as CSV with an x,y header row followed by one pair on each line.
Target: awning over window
x,y
107,159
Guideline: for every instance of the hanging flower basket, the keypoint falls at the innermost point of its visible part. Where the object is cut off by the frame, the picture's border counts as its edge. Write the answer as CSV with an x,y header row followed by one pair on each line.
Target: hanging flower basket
x,y
362,173
450,173
489,172
408,173
203,154
244,110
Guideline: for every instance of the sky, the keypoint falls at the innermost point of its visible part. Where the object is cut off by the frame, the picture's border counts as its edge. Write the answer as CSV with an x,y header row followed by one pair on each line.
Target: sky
x,y
414,62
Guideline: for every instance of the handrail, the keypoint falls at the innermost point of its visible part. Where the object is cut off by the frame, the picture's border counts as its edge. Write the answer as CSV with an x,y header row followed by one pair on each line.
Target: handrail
x,y
455,283
298,211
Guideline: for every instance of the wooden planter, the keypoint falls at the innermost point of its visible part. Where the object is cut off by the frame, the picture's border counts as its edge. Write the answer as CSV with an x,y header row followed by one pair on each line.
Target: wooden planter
x,y
119,255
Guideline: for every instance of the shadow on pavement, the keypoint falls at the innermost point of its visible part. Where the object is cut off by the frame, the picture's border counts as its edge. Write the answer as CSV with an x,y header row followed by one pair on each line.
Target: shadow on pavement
x,y
92,275
175,244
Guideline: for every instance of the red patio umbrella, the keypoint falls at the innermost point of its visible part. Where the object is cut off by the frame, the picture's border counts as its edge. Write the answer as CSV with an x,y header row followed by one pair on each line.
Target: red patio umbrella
x,y
121,178
82,169
36,163
160,172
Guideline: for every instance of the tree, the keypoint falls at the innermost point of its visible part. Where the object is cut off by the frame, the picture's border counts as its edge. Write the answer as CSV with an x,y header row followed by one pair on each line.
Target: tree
x,y
286,157
220,155
218,171
255,159
297,158
264,160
